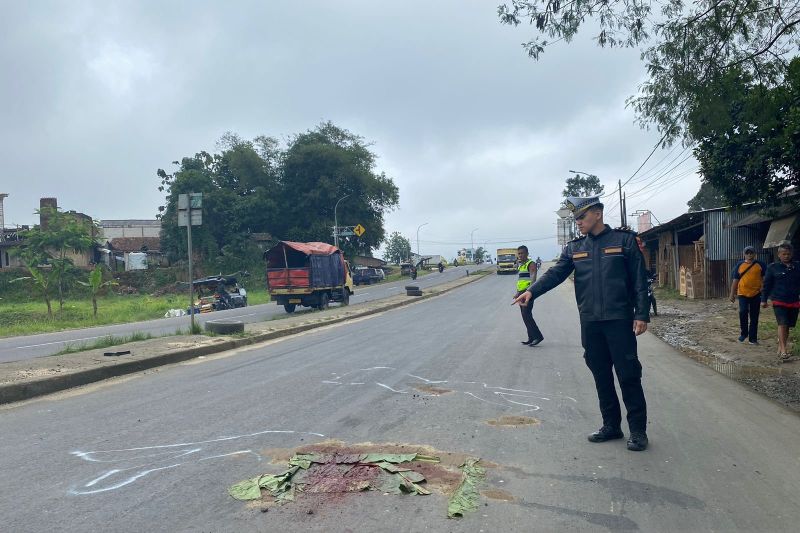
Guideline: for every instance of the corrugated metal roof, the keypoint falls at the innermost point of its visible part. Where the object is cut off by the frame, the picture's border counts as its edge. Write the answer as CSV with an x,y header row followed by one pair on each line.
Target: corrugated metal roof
x,y
724,240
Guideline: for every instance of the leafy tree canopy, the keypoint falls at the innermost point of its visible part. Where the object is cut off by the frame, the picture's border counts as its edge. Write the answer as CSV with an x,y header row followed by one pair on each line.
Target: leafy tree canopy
x,y
289,192
583,185
685,45
708,197
398,248
748,136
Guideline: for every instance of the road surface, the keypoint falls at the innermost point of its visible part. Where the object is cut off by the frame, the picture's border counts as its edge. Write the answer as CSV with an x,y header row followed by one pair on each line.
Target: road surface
x,y
157,451
30,346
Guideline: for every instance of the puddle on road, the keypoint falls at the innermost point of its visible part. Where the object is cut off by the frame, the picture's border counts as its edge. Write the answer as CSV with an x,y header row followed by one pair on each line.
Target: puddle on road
x,y
430,389
498,494
514,421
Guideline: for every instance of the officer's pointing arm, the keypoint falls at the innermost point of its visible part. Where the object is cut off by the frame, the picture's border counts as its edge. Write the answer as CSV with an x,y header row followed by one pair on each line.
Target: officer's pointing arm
x,y
555,275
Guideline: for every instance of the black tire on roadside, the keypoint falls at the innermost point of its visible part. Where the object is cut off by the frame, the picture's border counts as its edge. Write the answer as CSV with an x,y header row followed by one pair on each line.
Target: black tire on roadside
x,y
227,327
290,307
414,293
412,288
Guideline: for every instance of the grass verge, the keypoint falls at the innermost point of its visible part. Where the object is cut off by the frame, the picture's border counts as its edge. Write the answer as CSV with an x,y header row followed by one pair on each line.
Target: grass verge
x,y
106,342
30,316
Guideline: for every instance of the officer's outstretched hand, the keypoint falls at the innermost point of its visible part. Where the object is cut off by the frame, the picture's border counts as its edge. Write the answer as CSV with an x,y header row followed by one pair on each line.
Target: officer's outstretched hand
x,y
639,327
523,299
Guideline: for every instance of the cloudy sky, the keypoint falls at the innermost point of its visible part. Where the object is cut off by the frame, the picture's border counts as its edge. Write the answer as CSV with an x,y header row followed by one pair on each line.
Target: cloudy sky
x,y
96,96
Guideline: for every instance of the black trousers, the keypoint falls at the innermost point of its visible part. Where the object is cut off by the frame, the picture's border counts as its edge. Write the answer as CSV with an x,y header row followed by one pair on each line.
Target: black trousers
x,y
530,324
749,307
611,344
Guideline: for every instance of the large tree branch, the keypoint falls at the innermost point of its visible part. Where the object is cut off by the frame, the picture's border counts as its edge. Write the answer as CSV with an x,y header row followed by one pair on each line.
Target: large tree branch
x,y
764,50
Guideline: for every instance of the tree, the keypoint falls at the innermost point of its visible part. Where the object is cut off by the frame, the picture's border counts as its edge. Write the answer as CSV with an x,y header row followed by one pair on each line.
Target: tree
x,y
708,197
398,248
320,167
258,187
45,248
685,45
96,284
583,185
748,137
480,255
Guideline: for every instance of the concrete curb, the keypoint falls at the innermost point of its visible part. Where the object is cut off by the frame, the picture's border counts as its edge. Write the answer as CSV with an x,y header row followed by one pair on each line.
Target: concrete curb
x,y
16,392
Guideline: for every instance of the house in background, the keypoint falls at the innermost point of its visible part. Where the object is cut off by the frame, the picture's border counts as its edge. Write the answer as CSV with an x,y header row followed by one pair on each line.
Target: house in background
x,y
695,252
134,253
115,229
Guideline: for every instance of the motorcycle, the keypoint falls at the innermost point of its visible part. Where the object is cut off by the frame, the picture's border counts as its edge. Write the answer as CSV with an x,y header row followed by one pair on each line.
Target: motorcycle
x,y
441,268
413,273
651,295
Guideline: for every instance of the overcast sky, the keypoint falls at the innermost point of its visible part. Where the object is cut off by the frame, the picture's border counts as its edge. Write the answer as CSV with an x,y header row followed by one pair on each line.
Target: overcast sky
x,y
96,96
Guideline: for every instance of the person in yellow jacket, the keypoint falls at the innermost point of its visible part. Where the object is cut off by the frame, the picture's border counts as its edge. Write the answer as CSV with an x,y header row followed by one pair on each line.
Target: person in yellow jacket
x,y
527,275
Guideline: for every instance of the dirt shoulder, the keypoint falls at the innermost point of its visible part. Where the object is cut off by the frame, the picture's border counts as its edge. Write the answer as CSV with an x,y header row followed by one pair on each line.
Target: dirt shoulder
x,y
708,331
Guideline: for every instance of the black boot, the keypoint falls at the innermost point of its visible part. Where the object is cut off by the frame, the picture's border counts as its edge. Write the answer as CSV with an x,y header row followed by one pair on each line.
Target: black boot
x,y
606,433
534,342
637,442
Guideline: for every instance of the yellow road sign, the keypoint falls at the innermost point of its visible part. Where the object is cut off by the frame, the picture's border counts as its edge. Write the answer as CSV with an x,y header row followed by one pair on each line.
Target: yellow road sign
x,y
359,230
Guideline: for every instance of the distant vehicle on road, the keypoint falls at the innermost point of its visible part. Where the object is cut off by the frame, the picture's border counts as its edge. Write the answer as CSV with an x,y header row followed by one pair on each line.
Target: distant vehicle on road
x,y
217,293
506,260
311,274
367,275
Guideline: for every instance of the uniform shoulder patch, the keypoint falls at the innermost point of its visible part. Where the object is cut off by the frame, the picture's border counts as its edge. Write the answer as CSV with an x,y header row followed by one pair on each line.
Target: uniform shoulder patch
x,y
626,230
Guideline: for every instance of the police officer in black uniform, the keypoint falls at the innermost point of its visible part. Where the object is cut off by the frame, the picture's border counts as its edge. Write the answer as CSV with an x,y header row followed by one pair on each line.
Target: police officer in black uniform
x,y
611,292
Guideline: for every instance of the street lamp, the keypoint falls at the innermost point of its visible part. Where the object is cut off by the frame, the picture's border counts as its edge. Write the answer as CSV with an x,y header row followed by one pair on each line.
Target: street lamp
x,y
472,250
425,224
336,221
581,172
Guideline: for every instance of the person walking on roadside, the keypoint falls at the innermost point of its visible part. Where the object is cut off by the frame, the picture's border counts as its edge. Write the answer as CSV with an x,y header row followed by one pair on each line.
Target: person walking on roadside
x,y
748,276
782,286
526,269
611,292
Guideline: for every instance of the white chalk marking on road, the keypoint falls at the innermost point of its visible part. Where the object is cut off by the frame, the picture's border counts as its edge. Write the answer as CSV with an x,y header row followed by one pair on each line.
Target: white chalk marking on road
x,y
238,452
391,389
357,383
427,380
83,455
534,407
123,483
174,454
332,382
520,395
101,478
483,400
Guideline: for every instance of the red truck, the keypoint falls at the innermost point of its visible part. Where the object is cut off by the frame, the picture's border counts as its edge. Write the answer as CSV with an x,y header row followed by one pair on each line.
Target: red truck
x,y
311,274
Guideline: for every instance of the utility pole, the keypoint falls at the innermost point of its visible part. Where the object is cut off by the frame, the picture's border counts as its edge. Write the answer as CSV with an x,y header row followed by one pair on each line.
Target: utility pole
x,y
425,224
336,221
472,240
622,206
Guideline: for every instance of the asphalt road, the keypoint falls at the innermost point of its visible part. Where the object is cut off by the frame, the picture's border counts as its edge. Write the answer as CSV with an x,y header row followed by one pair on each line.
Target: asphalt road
x,y
157,451
30,346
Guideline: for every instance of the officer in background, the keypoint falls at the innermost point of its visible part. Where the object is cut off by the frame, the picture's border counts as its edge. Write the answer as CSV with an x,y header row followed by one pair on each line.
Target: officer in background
x,y
527,274
611,292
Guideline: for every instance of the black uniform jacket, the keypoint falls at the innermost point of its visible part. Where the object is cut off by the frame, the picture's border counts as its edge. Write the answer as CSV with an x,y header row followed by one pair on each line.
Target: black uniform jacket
x,y
610,276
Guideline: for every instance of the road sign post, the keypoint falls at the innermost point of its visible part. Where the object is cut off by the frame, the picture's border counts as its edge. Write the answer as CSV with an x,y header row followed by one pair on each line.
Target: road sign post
x,y
190,213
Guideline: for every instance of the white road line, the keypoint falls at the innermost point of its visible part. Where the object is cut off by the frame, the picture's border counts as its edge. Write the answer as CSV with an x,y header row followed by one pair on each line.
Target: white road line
x,y
61,342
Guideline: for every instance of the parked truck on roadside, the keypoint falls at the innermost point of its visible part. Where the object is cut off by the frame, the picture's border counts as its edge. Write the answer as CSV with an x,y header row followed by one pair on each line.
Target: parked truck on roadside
x,y
506,260
311,274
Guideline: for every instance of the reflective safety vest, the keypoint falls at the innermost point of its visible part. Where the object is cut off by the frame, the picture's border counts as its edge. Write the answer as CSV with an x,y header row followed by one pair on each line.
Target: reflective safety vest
x,y
524,280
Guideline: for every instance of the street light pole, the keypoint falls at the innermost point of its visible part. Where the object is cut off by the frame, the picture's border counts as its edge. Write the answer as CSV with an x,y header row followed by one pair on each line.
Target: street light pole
x,y
425,224
472,240
336,221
